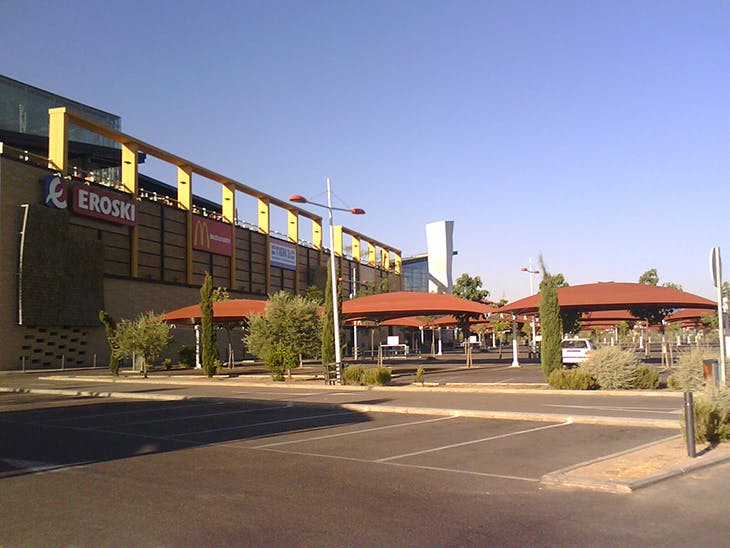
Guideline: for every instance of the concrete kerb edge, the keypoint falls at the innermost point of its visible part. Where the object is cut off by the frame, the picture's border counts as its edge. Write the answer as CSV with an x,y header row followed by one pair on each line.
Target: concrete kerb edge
x,y
498,388
368,408
94,394
560,478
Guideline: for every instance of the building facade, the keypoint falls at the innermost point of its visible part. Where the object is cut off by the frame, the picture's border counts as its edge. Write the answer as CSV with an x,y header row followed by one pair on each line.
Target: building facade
x,y
78,241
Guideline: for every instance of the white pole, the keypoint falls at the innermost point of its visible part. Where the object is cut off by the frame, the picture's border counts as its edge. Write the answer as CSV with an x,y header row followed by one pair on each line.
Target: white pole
x,y
355,349
515,359
333,279
198,365
720,312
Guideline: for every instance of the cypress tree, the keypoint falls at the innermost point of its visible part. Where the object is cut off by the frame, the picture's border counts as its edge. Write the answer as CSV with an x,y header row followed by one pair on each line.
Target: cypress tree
x,y
551,328
111,330
208,340
328,334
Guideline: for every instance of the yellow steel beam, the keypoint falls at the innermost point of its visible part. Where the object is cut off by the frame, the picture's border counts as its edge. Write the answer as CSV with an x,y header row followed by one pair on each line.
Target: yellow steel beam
x,y
371,254
292,225
317,234
58,139
337,244
356,249
398,263
185,201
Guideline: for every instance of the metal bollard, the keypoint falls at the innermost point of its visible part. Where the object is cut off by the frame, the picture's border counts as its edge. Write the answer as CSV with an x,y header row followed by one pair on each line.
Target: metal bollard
x,y
689,423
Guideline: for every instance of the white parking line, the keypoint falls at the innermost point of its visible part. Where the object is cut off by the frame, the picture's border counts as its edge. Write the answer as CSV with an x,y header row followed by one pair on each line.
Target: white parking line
x,y
453,445
187,417
267,423
135,411
675,411
400,464
363,431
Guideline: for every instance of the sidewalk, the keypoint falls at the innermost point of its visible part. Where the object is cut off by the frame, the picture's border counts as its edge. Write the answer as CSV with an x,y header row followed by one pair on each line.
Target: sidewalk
x,y
622,473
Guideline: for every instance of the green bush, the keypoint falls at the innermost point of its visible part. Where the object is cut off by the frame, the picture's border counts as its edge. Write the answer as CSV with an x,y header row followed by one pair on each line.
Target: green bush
x,y
613,368
420,373
187,356
711,414
377,375
278,358
673,382
353,374
688,372
167,362
647,378
571,379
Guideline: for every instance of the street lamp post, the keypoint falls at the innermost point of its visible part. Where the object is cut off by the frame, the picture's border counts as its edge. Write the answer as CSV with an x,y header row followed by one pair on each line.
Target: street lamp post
x,y
530,271
333,276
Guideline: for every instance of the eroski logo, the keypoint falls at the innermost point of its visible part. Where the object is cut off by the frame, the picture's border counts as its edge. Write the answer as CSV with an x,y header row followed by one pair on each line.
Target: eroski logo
x,y
56,192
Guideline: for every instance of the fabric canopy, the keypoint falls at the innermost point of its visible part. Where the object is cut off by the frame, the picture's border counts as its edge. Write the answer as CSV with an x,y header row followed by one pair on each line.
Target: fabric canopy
x,y
223,311
400,304
613,296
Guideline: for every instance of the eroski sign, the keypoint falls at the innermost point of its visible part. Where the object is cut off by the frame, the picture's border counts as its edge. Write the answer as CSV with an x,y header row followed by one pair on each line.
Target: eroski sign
x,y
91,201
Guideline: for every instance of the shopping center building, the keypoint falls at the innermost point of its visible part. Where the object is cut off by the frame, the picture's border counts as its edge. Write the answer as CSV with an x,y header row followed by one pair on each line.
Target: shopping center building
x,y
84,231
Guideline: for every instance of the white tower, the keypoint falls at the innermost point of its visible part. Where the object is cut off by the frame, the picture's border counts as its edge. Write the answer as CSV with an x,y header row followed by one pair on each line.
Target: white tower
x,y
440,242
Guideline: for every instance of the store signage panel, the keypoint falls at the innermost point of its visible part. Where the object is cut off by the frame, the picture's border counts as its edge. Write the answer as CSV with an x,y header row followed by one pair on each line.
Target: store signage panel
x,y
90,201
283,255
212,236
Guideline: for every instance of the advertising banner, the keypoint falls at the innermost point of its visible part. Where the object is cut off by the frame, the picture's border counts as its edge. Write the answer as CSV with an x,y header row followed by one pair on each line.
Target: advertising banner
x,y
212,236
283,255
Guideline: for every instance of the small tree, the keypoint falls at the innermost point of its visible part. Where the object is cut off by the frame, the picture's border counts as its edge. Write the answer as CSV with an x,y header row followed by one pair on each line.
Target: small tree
x,y
470,289
208,339
650,277
551,354
146,336
289,328
110,327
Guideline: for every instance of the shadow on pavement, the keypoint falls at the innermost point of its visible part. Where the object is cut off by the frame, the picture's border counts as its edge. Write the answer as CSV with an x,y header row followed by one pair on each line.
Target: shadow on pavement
x,y
56,435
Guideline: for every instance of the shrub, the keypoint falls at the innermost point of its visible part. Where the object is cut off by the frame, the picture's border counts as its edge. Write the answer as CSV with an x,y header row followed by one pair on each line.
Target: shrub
x,y
613,368
167,362
420,373
187,356
711,414
278,358
688,372
353,374
571,379
673,382
647,378
377,375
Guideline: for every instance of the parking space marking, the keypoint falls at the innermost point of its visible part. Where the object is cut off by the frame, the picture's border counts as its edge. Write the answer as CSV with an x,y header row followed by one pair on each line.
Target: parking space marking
x,y
363,431
265,423
461,444
399,464
675,411
135,411
187,417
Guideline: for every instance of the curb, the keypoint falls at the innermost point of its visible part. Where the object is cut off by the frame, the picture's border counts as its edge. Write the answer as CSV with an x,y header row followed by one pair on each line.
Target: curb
x,y
496,388
366,408
94,394
563,479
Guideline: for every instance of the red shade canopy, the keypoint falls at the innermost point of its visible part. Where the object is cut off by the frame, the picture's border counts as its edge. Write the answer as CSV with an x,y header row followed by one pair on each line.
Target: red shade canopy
x,y
223,311
613,296
399,304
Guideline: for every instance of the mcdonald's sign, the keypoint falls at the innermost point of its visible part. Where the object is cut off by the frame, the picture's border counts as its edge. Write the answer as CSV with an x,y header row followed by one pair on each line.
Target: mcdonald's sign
x,y
212,236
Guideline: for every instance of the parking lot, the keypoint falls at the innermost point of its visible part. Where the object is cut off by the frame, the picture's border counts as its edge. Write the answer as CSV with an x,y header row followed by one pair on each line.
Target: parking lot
x,y
85,471
444,446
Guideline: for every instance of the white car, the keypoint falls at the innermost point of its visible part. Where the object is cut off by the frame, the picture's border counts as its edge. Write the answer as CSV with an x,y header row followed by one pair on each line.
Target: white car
x,y
576,350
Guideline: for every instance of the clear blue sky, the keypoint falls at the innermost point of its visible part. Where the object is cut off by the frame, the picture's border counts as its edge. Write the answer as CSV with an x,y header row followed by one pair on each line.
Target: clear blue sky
x,y
593,132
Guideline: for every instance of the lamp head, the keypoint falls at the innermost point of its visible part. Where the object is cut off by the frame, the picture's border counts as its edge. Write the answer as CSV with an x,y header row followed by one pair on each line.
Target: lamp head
x,y
357,211
298,199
